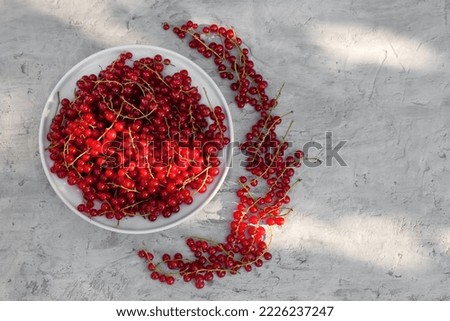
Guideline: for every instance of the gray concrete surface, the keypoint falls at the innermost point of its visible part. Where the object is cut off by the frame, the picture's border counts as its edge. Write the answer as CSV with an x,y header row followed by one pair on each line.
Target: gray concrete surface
x,y
374,73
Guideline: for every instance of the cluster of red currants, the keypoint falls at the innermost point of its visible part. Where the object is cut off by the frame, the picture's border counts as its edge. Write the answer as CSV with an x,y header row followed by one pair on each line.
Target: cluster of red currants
x,y
136,141
268,163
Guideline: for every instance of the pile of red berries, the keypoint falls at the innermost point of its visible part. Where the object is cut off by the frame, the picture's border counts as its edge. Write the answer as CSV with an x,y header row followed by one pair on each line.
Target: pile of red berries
x,y
137,141
268,164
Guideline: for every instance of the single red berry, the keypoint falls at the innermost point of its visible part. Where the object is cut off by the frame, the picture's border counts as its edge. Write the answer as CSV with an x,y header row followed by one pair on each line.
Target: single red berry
x,y
199,284
267,256
170,280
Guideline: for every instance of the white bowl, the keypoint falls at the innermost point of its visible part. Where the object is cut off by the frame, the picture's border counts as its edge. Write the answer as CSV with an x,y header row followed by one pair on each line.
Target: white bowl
x,y
72,196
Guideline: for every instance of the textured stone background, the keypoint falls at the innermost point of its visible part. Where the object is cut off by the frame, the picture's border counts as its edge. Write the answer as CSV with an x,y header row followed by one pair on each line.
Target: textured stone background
x,y
375,73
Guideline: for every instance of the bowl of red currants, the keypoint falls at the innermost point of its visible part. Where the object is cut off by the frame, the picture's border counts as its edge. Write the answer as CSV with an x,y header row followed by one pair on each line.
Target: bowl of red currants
x,y
136,139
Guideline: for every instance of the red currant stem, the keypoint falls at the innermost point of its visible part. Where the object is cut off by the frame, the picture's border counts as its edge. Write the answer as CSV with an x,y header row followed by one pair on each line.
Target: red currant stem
x,y
168,170
128,214
207,270
241,54
132,139
78,157
157,74
276,152
106,81
141,86
235,69
122,187
226,71
207,97
166,121
203,43
289,210
215,116
66,149
113,64
285,114
157,267
203,182
261,140
119,113
192,120
145,215
182,157
137,109
279,92
147,257
148,167
247,189
234,66
288,129
187,181
134,204
149,87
